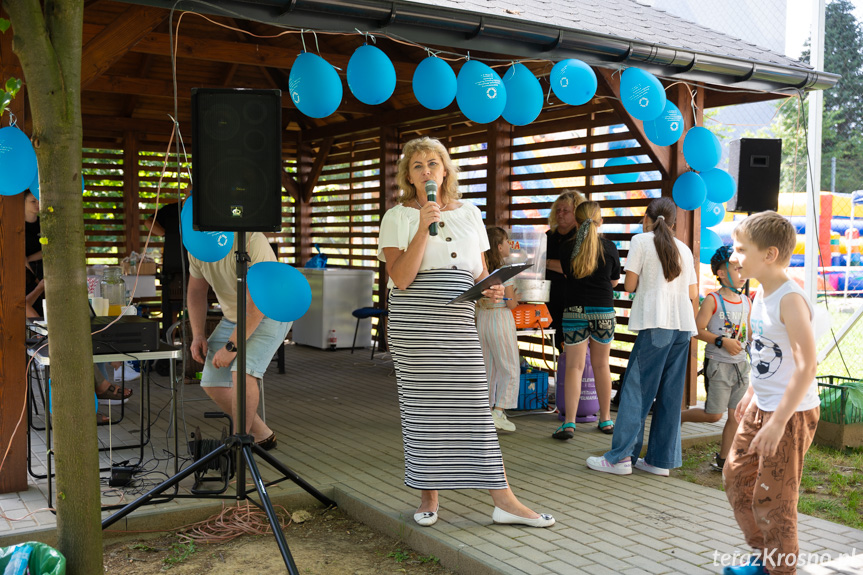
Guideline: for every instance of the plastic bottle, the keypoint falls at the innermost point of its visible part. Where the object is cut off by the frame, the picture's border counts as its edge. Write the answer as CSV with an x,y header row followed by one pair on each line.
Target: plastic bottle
x,y
333,341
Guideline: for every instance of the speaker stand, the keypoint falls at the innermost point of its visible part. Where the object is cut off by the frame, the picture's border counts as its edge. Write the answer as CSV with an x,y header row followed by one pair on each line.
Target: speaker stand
x,y
240,445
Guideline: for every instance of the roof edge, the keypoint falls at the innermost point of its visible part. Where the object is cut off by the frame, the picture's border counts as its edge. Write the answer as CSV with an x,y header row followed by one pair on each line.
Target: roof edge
x,y
465,30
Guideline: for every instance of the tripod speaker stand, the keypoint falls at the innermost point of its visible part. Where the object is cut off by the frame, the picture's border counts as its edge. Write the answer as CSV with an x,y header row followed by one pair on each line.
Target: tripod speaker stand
x,y
240,444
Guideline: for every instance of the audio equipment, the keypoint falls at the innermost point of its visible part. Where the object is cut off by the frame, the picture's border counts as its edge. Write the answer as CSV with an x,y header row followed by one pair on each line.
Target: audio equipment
x,y
754,163
237,160
129,334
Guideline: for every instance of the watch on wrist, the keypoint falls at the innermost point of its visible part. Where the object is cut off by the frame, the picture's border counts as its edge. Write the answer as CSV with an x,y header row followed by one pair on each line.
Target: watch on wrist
x,y
717,343
231,346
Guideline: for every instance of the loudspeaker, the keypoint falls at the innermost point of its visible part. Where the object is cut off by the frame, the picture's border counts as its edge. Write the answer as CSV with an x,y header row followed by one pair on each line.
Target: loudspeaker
x,y
754,164
237,160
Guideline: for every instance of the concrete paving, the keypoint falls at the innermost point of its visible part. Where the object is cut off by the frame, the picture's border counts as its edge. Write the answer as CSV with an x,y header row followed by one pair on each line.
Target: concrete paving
x,y
336,416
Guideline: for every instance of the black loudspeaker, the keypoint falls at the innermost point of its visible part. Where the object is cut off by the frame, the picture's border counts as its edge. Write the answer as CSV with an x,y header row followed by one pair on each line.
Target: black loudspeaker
x,y
754,164
237,160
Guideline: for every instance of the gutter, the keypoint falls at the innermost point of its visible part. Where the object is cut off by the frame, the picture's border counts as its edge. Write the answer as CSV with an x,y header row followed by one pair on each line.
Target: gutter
x,y
466,31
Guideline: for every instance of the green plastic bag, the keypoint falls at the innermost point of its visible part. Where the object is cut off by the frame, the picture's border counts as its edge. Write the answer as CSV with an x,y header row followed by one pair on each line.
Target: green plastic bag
x,y
44,560
831,403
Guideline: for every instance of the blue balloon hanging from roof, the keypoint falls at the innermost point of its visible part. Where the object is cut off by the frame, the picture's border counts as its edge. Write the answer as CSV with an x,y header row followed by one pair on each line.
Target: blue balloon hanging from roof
x,y
711,213
701,149
371,76
280,291
481,95
434,83
523,95
17,161
314,85
689,191
667,128
624,178
710,242
642,94
206,246
573,81
720,185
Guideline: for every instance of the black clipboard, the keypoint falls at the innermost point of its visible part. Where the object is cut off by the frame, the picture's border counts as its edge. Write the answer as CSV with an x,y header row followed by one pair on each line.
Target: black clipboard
x,y
497,277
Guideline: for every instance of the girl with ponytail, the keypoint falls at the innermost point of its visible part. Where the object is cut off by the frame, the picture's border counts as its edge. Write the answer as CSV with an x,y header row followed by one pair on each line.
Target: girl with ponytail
x,y
660,271
592,271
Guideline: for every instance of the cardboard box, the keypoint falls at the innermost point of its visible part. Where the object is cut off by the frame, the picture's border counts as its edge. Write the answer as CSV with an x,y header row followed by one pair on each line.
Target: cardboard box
x,y
146,268
146,285
533,391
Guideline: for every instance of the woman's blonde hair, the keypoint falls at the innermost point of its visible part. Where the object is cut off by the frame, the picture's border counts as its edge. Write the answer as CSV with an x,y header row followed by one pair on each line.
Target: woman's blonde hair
x,y
571,197
496,236
588,250
425,145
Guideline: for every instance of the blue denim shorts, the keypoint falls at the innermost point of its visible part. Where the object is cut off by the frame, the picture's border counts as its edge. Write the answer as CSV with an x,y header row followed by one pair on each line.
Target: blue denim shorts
x,y
260,348
583,322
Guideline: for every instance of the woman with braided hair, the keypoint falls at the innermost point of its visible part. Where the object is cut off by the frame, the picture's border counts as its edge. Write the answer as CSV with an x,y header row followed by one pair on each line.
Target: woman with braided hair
x,y
592,269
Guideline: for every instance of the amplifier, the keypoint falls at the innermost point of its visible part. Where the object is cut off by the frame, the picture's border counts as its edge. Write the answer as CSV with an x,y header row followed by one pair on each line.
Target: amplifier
x,y
131,333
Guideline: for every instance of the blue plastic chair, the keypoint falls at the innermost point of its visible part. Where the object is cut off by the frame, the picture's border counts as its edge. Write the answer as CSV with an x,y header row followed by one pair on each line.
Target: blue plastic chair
x,y
368,312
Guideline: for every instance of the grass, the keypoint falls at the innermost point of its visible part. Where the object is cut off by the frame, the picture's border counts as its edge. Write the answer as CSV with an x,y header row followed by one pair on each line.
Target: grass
x,y
831,487
180,551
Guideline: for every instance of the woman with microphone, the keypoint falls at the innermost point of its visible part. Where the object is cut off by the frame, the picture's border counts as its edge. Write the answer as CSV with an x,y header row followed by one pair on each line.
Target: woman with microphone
x,y
449,437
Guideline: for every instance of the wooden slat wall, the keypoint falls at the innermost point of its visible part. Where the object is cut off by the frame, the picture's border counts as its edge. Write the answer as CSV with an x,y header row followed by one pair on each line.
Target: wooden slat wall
x,y
566,147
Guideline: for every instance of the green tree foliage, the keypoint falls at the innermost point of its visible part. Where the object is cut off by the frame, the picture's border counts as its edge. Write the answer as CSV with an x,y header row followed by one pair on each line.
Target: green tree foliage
x,y
843,103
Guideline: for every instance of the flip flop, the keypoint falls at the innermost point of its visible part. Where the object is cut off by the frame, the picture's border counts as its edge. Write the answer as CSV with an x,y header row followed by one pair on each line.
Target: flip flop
x,y
102,419
113,396
607,426
564,432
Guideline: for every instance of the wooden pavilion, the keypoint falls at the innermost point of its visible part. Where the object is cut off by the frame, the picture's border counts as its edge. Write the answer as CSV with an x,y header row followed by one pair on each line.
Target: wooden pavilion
x,y
339,172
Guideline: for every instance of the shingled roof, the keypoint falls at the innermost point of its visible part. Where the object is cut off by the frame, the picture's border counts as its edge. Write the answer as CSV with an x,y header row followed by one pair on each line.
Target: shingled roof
x,y
607,33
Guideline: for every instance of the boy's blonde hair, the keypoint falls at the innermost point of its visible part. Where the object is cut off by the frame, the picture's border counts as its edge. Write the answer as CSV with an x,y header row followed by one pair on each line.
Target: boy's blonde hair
x,y
769,229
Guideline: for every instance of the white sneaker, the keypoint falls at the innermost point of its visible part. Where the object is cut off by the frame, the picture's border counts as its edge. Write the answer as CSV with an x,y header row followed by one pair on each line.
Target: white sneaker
x,y
602,464
126,369
500,421
645,466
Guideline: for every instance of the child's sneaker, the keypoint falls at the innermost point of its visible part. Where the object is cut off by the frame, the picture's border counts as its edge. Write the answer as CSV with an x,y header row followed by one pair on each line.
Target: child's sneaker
x,y
753,568
500,421
718,463
602,464
645,466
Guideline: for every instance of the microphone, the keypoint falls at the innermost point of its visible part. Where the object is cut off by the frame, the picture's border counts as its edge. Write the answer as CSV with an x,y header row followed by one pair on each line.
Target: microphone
x,y
431,195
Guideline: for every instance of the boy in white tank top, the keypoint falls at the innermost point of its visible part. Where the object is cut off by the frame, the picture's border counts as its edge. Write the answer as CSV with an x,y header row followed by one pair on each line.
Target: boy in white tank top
x,y
779,412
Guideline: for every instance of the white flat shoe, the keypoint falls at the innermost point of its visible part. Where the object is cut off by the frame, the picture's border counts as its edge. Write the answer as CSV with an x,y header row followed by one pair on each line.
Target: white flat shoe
x,y
426,518
645,466
507,518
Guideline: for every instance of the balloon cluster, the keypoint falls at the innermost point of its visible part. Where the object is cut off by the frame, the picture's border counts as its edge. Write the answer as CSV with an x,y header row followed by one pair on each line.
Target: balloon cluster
x,y
17,162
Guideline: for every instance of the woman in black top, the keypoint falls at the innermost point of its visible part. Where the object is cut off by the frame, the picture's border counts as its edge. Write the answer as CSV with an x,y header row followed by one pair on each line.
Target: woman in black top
x,y
35,286
592,271
561,220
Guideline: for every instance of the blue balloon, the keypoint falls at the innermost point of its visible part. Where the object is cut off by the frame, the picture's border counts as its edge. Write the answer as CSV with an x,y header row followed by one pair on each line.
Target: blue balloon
x,y
710,242
701,149
17,161
642,94
206,246
34,185
711,212
689,191
667,128
523,95
480,92
315,87
720,185
371,76
280,291
434,83
573,81
627,178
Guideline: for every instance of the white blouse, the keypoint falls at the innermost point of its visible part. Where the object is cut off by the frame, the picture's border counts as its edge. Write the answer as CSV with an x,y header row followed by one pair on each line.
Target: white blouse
x,y
659,303
459,244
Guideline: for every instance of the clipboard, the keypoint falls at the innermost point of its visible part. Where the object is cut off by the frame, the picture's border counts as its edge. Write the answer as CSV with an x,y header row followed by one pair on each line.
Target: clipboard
x,y
497,277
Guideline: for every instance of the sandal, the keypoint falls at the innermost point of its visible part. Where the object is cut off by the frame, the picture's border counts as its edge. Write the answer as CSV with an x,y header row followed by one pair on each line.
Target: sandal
x,y
102,419
113,396
565,431
607,426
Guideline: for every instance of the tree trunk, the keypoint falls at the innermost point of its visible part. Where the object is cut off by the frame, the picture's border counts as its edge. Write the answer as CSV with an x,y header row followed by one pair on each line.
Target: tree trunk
x,y
49,47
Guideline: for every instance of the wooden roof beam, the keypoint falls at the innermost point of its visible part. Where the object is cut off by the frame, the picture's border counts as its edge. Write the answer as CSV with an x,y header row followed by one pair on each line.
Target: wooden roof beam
x,y
608,86
317,168
115,40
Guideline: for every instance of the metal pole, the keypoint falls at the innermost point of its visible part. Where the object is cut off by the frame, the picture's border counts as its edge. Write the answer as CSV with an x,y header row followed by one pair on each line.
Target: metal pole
x,y
833,175
813,181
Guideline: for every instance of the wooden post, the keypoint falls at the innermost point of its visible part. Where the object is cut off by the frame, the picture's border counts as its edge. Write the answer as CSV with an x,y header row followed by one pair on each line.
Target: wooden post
x,y
303,211
389,157
498,170
13,354
688,225
131,213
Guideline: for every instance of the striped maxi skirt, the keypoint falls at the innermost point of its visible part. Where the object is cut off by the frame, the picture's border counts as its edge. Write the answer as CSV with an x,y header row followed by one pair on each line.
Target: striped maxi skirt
x,y
448,434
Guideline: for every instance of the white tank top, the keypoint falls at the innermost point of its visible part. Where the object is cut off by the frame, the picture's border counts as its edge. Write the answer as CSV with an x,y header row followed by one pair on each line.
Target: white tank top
x,y
772,362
